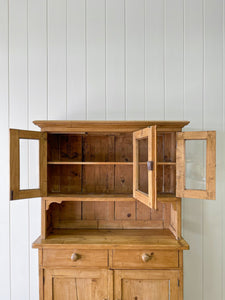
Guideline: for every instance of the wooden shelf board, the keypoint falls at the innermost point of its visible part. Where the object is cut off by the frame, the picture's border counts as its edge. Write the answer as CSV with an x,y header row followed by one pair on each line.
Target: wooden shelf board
x,y
164,163
88,163
112,239
90,197
105,163
166,197
104,197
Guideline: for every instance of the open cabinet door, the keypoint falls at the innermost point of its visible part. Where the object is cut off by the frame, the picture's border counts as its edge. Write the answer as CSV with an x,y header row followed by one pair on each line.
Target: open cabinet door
x,y
196,164
21,143
145,166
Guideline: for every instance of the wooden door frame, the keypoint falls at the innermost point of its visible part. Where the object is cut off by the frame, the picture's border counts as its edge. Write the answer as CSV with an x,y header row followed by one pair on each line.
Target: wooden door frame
x,y
15,191
210,191
149,199
172,275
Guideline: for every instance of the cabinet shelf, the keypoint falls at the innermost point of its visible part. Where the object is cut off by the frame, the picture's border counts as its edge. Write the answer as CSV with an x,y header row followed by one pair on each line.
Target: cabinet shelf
x,y
88,163
105,163
162,197
165,163
89,197
109,239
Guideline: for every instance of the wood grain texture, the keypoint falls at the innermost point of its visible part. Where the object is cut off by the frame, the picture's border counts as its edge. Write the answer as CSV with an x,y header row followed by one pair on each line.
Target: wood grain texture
x,y
110,239
107,126
202,38
132,259
15,164
150,197
86,258
157,284
76,284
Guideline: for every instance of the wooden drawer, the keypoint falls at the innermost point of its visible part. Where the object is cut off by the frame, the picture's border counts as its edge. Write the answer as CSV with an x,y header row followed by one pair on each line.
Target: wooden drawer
x,y
75,258
144,259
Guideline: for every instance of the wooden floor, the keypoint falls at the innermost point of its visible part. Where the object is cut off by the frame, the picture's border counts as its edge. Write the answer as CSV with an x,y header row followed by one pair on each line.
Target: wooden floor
x,y
111,239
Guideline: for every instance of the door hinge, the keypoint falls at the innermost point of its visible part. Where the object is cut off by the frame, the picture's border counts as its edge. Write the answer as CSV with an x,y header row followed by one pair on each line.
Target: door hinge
x,y
11,195
178,282
150,165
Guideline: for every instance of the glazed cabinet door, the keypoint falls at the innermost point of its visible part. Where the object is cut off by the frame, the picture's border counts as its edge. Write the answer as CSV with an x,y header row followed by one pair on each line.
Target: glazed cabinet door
x,y
70,284
196,164
24,144
145,166
146,285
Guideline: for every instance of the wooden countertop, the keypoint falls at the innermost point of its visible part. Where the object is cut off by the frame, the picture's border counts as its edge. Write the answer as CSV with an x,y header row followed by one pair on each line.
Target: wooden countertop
x,y
112,239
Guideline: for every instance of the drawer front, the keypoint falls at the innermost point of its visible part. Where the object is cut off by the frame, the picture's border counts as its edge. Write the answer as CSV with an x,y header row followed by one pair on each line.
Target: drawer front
x,y
144,259
75,258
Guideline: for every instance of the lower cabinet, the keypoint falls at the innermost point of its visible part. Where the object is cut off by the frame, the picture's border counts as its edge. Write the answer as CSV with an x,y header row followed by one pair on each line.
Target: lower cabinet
x,y
103,284
90,274
146,285
70,284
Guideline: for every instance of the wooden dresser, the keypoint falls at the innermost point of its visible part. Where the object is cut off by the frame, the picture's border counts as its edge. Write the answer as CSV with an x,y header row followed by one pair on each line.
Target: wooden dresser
x,y
111,204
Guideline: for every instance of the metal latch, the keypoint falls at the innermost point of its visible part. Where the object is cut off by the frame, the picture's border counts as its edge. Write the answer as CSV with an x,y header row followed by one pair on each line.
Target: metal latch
x,y
150,165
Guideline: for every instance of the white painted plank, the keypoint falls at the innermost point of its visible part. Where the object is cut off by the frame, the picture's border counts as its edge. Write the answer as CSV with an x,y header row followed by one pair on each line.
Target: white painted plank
x,y
4,154
135,59
115,63
37,79
193,111
19,221
57,96
95,31
174,59
76,60
154,60
223,161
213,119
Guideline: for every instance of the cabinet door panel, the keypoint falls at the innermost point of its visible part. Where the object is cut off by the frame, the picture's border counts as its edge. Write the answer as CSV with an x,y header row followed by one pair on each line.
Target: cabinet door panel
x,y
67,284
196,164
19,143
145,289
145,285
145,166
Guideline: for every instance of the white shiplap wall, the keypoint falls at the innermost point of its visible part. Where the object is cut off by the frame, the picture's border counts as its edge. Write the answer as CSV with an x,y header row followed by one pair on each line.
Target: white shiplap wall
x,y
115,60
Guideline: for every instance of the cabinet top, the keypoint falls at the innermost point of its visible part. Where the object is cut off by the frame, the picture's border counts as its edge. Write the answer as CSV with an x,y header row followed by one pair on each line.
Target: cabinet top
x,y
107,126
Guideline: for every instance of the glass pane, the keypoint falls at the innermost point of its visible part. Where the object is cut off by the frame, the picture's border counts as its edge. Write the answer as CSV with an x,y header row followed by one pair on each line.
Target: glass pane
x,y
29,164
142,165
143,150
195,164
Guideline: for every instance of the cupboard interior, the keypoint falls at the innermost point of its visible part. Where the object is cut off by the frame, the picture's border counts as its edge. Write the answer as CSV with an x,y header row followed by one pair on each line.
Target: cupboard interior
x,y
65,217
91,163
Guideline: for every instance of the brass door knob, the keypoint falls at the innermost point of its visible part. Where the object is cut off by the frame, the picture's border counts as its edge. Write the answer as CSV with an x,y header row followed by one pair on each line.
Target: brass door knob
x,y
75,257
146,257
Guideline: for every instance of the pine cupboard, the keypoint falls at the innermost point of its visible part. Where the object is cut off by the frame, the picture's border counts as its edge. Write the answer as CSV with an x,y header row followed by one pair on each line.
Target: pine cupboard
x,y
111,204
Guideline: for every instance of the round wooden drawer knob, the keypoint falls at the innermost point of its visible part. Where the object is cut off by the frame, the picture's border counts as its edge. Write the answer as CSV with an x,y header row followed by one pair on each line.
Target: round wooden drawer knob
x,y
75,257
146,257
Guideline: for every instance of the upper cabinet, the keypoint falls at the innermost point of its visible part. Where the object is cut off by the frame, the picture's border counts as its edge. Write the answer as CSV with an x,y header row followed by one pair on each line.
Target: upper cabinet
x,y
121,160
